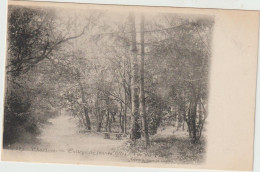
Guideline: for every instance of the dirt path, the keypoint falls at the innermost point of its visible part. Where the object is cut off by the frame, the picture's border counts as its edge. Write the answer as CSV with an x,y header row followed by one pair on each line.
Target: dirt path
x,y
64,134
61,140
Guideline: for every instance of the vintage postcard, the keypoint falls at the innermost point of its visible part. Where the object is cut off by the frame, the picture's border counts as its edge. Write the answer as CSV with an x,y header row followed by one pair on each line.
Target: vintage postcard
x,y
130,85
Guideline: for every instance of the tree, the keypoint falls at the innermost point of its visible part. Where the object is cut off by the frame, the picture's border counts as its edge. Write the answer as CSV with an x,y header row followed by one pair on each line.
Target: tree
x,y
184,69
84,102
90,67
33,39
142,96
134,84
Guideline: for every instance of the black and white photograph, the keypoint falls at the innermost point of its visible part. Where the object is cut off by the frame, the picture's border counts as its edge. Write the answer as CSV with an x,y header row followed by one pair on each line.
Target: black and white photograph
x,y
108,84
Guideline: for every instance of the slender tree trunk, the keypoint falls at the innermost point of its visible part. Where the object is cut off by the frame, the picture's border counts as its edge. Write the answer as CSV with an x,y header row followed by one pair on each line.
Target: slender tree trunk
x,y
125,96
110,123
107,121
201,118
134,83
101,117
84,102
177,120
120,120
193,120
121,117
113,117
87,118
98,123
142,94
125,111
200,114
99,114
129,83
189,122
109,116
183,111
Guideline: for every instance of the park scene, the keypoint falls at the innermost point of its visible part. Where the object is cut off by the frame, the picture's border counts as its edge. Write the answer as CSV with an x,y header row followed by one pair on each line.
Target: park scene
x,y
107,85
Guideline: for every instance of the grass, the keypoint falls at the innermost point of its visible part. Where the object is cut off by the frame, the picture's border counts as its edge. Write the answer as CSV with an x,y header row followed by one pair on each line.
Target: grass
x,y
168,149
166,146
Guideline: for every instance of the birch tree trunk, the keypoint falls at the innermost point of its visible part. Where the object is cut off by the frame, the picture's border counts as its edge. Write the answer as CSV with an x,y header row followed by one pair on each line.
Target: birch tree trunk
x,y
134,81
125,111
142,94
125,97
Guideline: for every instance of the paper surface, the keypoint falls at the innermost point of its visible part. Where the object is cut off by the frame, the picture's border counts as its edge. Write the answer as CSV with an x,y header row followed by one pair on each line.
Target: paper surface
x,y
232,89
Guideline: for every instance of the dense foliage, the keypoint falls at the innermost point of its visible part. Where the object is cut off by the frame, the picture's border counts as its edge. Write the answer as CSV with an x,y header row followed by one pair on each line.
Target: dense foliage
x,y
91,67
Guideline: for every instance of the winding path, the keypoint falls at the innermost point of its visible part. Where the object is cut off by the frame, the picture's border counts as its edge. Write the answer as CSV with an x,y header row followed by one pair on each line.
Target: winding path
x,y
63,133
61,141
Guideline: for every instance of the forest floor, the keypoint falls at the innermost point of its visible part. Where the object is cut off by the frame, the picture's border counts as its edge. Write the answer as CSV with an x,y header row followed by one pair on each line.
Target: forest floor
x,y
62,137
168,147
